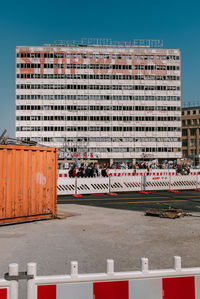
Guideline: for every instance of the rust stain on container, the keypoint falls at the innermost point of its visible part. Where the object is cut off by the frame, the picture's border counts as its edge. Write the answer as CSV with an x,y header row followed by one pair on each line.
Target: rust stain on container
x,y
28,183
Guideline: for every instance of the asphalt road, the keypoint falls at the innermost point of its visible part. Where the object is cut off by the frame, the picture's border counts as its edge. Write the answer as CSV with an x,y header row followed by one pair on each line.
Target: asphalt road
x,y
186,200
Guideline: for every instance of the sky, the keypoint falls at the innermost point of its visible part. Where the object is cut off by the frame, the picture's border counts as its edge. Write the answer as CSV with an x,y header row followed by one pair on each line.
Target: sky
x,y
35,23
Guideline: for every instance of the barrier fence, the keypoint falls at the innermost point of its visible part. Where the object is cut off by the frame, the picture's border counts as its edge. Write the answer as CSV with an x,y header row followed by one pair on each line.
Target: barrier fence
x,y
67,186
175,283
137,172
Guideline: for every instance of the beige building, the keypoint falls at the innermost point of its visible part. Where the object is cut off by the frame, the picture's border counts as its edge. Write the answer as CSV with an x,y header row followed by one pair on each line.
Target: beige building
x,y
190,133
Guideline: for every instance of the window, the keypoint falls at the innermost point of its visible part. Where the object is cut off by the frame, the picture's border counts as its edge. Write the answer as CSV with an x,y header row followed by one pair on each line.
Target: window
x,y
192,132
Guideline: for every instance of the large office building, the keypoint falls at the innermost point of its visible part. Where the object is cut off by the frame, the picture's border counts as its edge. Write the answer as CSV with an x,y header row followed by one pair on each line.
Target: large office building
x,y
101,99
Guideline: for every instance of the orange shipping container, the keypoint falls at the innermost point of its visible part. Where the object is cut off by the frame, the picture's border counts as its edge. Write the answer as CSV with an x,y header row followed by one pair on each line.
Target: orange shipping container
x,y
28,183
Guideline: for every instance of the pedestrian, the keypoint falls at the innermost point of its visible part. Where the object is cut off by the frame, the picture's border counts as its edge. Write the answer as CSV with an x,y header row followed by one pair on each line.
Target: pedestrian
x,y
81,171
71,170
88,171
104,171
95,170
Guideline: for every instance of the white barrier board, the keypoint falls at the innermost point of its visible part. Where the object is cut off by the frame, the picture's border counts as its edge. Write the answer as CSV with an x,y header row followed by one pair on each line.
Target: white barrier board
x,y
66,186
92,185
183,182
156,183
125,184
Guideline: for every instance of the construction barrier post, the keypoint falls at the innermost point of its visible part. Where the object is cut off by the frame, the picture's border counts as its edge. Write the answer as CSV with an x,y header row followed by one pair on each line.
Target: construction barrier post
x,y
13,270
143,183
31,290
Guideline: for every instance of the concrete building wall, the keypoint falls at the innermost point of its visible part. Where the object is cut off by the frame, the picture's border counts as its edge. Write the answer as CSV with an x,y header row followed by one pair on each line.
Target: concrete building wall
x,y
115,102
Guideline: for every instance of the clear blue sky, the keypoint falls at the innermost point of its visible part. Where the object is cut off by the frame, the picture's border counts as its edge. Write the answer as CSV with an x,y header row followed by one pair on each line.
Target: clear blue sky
x,y
38,22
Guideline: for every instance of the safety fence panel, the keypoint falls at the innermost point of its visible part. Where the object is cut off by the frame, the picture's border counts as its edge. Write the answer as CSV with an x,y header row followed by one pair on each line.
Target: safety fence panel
x,y
121,172
183,182
156,183
66,186
125,184
92,185
194,171
64,173
176,283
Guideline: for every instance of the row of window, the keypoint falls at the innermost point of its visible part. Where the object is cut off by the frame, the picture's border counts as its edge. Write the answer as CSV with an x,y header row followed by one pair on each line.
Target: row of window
x,y
97,87
191,142
103,129
96,97
191,112
98,66
191,132
98,118
96,56
188,122
84,140
98,108
125,149
97,77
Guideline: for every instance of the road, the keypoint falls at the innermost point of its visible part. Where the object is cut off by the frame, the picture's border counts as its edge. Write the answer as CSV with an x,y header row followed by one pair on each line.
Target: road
x,y
186,200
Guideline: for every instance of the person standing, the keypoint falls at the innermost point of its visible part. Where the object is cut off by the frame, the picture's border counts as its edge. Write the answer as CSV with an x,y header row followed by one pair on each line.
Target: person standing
x,y
104,171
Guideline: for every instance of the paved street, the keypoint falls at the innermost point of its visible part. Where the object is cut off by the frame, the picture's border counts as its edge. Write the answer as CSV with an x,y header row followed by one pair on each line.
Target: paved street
x,y
187,200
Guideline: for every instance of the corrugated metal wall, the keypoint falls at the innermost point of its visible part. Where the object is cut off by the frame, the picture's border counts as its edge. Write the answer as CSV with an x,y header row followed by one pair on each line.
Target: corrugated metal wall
x,y
28,183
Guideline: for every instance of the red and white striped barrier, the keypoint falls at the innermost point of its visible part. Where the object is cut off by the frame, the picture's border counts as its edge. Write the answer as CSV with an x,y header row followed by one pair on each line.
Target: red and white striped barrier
x,y
137,172
176,283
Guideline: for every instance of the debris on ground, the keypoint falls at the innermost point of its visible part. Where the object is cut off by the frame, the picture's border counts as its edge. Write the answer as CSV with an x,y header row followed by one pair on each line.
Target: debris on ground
x,y
64,215
167,213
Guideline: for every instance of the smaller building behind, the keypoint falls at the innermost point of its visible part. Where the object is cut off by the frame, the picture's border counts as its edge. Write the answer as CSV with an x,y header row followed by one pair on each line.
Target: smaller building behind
x,y
190,133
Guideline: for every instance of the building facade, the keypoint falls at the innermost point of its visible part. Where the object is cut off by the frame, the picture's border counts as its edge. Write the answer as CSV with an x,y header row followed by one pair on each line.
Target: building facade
x,y
190,133
102,101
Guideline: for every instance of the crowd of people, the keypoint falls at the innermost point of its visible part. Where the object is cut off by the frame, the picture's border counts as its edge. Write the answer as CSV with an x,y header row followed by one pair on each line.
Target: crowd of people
x,y
91,170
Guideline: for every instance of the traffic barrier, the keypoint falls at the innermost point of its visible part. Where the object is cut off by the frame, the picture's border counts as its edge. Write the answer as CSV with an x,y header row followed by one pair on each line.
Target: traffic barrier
x,y
183,182
176,283
66,186
99,185
92,185
125,184
156,183
64,173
